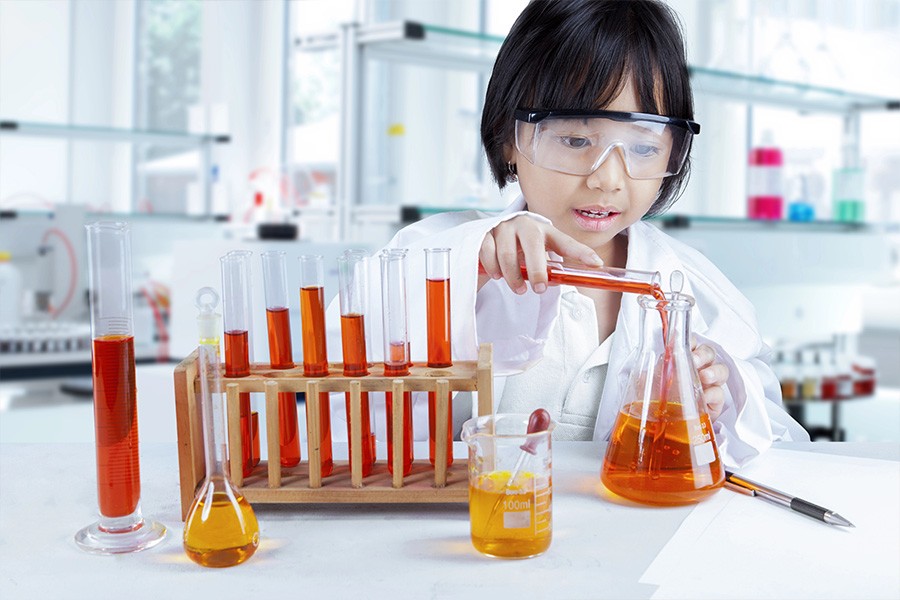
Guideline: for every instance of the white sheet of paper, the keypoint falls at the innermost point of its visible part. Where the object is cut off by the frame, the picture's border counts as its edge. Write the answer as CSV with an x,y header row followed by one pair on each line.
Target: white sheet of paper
x,y
733,542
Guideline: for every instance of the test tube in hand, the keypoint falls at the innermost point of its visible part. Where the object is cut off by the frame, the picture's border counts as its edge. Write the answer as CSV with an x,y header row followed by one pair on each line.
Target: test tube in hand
x,y
437,299
236,309
353,299
280,351
121,527
396,347
315,356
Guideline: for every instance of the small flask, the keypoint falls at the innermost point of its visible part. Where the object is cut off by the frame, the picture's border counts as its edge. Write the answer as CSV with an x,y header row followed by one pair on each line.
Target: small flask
x,y
221,528
663,449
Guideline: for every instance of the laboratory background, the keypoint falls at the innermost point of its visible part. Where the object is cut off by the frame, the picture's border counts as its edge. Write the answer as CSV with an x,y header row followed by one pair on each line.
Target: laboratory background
x,y
210,126
316,127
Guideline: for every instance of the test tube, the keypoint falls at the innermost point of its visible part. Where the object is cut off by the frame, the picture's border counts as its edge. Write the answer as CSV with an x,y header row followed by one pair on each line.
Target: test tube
x,y
315,357
396,347
353,296
280,352
236,312
121,527
437,300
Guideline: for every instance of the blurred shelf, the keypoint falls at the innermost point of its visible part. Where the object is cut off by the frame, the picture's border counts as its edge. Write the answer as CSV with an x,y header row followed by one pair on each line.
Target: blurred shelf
x,y
711,222
111,134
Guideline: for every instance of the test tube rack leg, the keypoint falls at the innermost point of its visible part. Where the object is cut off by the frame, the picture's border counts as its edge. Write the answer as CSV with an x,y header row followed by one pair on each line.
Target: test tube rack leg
x,y
271,483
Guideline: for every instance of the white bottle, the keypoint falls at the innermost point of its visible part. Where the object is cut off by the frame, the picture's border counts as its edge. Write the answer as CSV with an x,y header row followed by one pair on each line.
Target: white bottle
x,y
10,290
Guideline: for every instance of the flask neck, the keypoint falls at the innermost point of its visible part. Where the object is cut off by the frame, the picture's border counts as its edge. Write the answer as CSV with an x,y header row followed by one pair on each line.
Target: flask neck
x,y
212,411
666,323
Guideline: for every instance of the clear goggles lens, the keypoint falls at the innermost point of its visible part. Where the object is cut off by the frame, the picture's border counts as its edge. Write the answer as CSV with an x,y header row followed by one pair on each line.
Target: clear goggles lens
x,y
579,145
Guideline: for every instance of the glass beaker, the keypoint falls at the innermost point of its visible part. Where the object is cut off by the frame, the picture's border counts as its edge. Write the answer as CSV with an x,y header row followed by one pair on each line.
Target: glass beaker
x,y
662,449
121,527
510,503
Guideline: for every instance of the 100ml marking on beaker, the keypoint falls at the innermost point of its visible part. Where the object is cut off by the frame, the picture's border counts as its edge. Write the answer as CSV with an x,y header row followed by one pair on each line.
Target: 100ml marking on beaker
x,y
115,416
510,521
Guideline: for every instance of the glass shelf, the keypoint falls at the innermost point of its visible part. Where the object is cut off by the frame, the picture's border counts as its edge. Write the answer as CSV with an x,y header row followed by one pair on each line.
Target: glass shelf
x,y
763,90
112,134
675,221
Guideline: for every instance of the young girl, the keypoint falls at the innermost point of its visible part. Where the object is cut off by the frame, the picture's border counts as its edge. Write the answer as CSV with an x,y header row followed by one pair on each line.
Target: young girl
x,y
589,107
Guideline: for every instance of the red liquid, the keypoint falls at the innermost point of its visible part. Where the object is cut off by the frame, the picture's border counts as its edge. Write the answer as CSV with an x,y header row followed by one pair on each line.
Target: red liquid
x,y
353,340
281,357
437,300
315,364
395,369
237,364
115,425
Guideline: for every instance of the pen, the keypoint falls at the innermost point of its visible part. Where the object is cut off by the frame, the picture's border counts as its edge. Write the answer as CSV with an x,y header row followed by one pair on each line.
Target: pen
x,y
751,488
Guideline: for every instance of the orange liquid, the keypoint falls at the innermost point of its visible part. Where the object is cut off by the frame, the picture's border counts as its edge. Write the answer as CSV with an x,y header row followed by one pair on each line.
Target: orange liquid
x,y
312,312
115,425
237,364
281,357
437,299
353,339
510,521
254,423
394,368
315,364
669,461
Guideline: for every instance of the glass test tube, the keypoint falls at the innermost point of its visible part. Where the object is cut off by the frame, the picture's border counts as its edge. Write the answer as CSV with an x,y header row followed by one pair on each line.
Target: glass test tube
x,y
236,310
280,352
437,299
396,347
315,357
353,298
121,527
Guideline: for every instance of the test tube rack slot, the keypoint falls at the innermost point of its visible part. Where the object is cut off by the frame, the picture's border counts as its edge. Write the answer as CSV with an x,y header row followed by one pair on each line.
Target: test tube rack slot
x,y
269,483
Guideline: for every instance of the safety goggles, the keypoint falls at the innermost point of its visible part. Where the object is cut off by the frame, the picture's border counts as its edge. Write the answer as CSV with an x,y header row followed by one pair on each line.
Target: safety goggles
x,y
577,141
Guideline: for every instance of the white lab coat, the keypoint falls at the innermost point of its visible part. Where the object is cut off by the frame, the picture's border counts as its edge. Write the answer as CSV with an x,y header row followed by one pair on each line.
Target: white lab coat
x,y
519,328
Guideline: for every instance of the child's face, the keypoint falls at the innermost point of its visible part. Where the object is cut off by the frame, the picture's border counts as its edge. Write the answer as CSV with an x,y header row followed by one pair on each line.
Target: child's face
x,y
566,199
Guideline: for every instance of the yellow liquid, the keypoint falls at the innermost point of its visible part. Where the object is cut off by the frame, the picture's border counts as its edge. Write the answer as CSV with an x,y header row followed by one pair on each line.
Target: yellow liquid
x,y
511,523
221,528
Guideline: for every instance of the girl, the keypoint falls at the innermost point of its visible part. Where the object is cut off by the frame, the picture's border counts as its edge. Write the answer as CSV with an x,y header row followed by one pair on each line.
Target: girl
x,y
589,107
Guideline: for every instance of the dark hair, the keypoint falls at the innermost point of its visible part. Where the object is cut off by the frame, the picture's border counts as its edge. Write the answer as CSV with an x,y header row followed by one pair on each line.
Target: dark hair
x,y
579,54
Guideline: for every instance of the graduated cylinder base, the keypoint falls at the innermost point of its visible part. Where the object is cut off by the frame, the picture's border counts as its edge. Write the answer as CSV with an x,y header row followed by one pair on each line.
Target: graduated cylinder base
x,y
120,535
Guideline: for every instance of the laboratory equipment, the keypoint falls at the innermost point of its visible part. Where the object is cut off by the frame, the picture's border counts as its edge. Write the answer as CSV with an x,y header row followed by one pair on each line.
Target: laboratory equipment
x,y
764,182
396,348
280,351
10,290
236,308
510,484
662,449
848,184
221,528
437,300
603,278
121,527
353,300
315,357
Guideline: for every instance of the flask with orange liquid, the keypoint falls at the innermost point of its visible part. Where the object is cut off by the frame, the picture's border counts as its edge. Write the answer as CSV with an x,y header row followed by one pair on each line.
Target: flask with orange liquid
x,y
662,449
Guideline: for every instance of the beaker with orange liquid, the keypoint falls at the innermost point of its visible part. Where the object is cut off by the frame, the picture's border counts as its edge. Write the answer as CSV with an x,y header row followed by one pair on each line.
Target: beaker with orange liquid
x,y
662,449
510,488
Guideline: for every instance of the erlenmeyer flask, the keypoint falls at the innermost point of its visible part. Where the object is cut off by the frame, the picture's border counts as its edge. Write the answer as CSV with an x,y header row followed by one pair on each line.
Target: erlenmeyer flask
x,y
221,529
662,449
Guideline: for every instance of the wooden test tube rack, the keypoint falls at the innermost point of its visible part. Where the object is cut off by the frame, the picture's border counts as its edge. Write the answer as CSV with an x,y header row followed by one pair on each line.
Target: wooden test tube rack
x,y
271,483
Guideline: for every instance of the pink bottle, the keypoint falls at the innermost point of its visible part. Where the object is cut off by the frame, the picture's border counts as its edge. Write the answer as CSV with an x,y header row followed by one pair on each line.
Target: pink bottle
x,y
764,184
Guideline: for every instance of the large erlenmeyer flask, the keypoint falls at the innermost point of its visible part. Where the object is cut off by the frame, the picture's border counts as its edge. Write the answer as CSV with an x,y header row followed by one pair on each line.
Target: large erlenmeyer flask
x,y
662,449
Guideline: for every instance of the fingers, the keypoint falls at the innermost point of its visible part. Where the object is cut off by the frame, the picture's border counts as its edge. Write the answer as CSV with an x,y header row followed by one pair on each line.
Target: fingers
x,y
532,241
703,355
568,247
487,256
714,398
714,375
507,252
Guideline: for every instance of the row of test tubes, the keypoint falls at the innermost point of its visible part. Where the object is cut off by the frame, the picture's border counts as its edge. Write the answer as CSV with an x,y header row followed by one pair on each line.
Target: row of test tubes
x,y
353,295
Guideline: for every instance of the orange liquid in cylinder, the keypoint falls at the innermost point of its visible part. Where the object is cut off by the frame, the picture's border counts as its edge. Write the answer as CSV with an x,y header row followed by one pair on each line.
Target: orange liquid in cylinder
x,y
281,357
315,364
686,467
396,368
515,522
115,425
237,364
353,340
437,300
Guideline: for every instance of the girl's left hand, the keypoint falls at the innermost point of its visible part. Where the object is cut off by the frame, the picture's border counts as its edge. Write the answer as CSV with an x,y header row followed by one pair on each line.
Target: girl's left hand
x,y
713,376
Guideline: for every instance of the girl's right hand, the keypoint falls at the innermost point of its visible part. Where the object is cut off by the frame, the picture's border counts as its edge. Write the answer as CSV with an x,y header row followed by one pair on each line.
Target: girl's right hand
x,y
529,238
